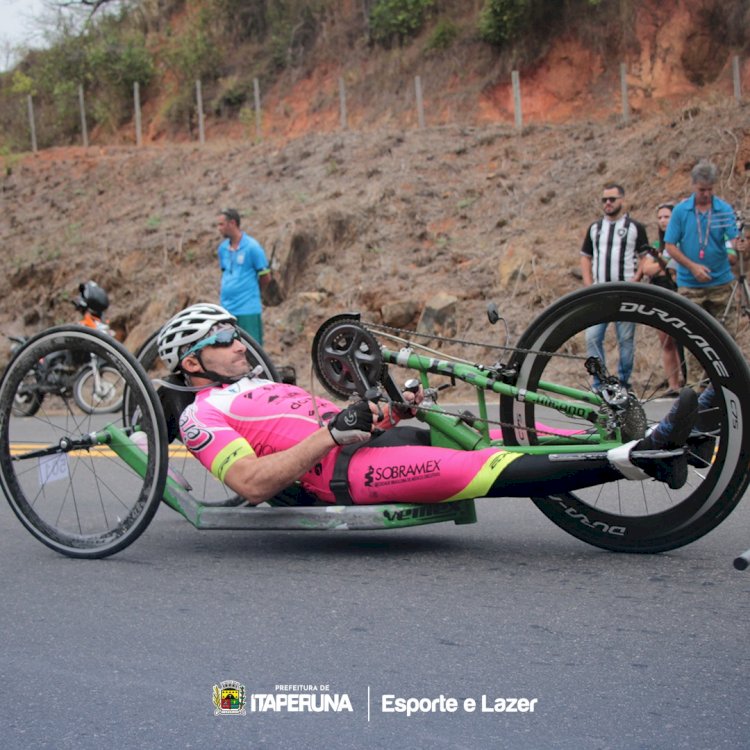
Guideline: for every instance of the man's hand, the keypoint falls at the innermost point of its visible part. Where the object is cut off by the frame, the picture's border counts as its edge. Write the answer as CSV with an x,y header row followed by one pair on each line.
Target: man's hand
x,y
353,424
700,272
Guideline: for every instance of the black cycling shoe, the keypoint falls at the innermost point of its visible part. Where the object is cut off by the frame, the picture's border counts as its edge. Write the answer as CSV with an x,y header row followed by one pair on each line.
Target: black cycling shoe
x,y
673,431
661,454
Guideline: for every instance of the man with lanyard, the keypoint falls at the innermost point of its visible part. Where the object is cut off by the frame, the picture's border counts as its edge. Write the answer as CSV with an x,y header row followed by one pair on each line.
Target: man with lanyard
x,y
700,233
244,270
611,251
260,437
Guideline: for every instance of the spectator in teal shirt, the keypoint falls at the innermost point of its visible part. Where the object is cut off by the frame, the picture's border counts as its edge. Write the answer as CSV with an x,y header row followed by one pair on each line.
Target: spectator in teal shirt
x,y
696,238
244,271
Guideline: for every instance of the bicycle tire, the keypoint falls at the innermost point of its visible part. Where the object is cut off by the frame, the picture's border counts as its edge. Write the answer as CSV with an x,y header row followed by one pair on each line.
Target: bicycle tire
x,y
108,400
84,501
638,516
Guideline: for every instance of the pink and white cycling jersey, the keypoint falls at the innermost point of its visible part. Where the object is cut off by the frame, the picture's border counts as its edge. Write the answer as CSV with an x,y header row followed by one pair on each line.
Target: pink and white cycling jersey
x,y
256,417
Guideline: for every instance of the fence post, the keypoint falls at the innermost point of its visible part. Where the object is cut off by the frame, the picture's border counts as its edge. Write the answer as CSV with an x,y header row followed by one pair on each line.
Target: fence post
x,y
84,129
199,107
420,102
137,104
256,97
342,102
516,81
624,92
32,126
736,78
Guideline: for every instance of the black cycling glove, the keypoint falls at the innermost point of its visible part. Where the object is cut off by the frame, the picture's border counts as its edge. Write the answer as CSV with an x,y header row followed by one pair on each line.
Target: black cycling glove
x,y
352,425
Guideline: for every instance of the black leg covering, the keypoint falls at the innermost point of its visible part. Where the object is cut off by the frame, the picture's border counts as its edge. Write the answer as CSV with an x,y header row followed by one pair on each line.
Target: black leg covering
x,y
534,476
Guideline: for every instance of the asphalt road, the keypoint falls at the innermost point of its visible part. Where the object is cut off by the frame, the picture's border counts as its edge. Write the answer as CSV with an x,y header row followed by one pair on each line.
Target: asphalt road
x,y
618,651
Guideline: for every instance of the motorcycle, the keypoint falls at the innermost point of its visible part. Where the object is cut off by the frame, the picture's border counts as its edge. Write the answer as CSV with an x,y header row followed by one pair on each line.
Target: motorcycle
x,y
96,387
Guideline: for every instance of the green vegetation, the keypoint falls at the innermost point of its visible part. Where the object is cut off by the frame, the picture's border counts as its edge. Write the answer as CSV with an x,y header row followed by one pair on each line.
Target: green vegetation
x,y
397,20
442,36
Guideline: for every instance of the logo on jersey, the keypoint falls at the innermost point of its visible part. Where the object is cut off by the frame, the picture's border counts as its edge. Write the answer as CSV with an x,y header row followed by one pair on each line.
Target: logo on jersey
x,y
194,435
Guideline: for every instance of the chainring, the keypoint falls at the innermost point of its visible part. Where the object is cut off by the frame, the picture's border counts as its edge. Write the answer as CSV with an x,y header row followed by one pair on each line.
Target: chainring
x,y
346,357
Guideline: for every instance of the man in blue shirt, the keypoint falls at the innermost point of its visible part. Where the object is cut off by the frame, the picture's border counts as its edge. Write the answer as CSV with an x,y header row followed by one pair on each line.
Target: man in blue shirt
x,y
700,231
244,271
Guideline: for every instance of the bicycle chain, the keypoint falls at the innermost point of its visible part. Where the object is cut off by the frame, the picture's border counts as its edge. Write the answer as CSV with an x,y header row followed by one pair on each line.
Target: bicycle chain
x,y
381,327
388,330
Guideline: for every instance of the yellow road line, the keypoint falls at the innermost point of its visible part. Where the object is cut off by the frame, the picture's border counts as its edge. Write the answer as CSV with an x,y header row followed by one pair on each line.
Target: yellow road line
x,y
17,449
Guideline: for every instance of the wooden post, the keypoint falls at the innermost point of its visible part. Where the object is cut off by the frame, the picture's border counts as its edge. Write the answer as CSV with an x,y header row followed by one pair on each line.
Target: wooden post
x,y
199,106
516,81
736,78
342,102
137,105
420,102
256,98
32,126
624,92
84,129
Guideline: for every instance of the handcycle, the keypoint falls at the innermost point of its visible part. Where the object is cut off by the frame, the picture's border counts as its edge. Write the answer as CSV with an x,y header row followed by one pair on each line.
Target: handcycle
x,y
83,486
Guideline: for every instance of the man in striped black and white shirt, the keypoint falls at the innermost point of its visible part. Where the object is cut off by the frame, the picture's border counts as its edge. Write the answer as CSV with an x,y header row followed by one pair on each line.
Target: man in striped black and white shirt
x,y
611,252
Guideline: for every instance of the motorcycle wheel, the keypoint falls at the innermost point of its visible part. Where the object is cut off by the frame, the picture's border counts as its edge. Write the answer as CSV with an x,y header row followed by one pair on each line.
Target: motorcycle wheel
x,y
105,398
27,399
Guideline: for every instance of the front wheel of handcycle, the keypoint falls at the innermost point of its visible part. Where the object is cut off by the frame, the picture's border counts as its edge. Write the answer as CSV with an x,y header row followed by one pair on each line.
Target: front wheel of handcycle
x,y
74,478
633,515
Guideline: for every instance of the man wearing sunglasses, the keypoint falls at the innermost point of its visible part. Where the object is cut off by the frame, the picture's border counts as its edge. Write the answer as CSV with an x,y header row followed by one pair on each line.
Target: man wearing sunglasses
x,y
611,251
260,437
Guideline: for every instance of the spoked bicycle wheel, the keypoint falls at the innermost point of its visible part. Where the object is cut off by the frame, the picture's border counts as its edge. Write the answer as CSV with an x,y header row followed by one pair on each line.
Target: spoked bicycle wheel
x,y
637,516
61,470
185,469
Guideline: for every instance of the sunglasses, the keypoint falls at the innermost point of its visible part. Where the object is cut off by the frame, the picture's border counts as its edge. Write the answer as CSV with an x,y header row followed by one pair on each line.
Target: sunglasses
x,y
610,198
224,337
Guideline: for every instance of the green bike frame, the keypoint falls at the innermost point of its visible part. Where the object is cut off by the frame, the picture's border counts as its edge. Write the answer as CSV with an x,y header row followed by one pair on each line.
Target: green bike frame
x,y
453,432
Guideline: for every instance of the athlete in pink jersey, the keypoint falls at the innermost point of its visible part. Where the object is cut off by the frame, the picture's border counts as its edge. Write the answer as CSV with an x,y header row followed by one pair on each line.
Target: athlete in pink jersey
x,y
260,437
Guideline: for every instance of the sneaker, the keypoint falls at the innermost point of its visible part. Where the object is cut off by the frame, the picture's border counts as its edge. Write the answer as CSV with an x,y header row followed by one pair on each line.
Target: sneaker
x,y
661,454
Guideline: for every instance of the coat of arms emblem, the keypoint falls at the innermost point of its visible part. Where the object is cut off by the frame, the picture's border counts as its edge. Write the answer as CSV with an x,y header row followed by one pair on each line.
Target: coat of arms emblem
x,y
229,698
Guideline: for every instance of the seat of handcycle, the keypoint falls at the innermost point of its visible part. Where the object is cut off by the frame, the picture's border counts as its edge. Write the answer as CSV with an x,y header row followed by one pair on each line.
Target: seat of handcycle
x,y
174,401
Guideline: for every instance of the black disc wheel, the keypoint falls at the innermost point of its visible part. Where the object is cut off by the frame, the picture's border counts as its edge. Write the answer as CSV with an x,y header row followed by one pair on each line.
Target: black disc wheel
x,y
635,515
62,469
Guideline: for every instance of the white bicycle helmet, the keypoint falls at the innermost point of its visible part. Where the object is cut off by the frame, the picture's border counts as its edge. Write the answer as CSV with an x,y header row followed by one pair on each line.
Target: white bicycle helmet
x,y
187,327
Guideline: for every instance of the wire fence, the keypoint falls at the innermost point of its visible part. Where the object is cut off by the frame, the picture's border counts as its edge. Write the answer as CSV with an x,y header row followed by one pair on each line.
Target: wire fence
x,y
343,115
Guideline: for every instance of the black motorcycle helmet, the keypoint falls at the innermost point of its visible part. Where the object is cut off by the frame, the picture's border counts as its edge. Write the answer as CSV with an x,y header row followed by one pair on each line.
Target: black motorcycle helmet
x,y
92,297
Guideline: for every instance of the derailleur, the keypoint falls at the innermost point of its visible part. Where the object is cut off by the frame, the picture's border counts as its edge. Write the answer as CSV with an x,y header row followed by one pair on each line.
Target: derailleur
x,y
622,409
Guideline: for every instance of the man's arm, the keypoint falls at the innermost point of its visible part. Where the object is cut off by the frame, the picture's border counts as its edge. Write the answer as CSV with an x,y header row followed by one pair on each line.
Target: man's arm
x,y
264,278
259,478
587,270
587,255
